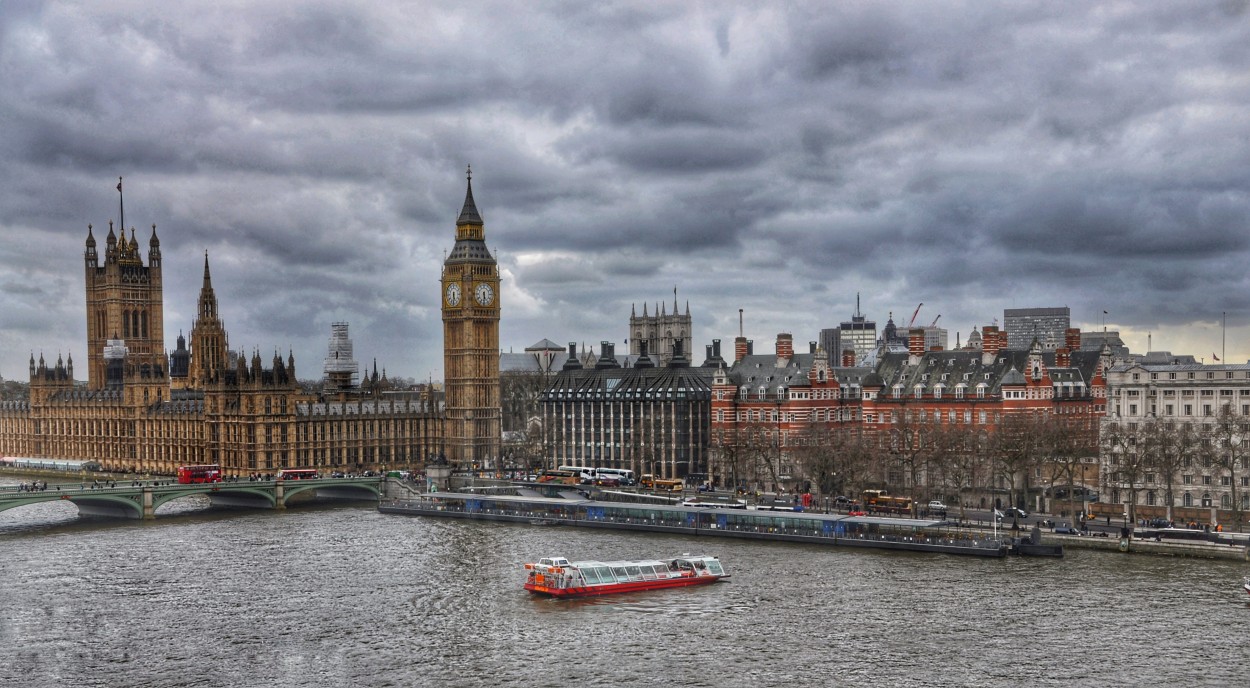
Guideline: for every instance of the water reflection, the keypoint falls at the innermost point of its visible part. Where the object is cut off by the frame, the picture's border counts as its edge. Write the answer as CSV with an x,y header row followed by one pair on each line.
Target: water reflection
x,y
342,595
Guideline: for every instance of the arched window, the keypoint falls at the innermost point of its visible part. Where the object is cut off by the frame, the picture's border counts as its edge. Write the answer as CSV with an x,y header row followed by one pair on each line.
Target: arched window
x,y
1226,502
1150,498
1187,500
1206,499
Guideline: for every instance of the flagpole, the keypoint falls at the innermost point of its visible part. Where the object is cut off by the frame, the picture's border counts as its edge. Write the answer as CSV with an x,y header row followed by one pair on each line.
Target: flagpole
x,y
121,207
1224,337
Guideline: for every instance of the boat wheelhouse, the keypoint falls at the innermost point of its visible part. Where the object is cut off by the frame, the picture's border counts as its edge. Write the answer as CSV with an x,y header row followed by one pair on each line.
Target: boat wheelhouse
x,y
558,577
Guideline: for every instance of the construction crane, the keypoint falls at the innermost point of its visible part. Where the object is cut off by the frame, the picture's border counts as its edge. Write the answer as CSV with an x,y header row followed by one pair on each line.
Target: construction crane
x,y
913,316
934,323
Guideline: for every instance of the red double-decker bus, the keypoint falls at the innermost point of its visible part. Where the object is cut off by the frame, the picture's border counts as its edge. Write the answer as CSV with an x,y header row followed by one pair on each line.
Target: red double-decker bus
x,y
209,473
297,473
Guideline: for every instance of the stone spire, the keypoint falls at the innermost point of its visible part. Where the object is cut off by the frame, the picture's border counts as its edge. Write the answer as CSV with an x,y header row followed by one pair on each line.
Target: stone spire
x,y
469,214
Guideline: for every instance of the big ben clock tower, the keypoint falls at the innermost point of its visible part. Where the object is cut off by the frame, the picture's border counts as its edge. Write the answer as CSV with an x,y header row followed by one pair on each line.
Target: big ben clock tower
x,y
470,298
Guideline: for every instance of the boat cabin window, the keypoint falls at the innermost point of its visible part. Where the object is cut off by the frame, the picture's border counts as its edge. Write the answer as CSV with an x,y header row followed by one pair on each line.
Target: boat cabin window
x,y
619,571
591,574
715,567
661,571
605,574
634,572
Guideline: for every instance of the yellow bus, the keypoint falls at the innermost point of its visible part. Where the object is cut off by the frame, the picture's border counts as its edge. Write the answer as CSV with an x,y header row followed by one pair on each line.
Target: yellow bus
x,y
653,483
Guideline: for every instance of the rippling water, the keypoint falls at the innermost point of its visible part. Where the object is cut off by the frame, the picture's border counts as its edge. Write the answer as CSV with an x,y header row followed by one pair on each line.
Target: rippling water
x,y
345,596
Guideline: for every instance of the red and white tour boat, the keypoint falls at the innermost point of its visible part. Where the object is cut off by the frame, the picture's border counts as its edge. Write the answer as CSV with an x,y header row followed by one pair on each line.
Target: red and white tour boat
x,y
1245,583
558,577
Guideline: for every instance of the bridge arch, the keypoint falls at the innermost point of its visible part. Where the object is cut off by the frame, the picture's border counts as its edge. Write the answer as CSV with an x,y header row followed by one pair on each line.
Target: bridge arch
x,y
335,487
88,503
265,494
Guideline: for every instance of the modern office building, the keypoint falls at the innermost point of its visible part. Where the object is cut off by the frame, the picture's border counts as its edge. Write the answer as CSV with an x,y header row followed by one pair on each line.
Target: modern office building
x,y
859,334
647,418
1047,325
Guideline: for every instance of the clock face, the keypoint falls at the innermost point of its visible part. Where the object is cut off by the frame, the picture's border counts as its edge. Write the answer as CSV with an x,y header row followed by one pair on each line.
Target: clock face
x,y
453,294
484,294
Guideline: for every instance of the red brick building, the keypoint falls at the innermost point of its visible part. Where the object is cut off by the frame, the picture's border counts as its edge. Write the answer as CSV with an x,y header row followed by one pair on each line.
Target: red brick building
x,y
768,411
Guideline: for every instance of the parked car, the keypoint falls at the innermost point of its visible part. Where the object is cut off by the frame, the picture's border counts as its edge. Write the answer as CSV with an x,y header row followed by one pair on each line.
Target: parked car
x,y
937,505
1160,523
1013,512
1066,529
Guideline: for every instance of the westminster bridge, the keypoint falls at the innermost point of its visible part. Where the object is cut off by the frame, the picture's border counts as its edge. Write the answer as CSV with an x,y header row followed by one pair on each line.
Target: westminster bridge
x,y
139,499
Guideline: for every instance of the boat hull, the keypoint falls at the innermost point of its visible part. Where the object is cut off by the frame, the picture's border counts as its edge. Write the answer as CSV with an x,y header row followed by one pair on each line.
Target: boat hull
x,y
616,588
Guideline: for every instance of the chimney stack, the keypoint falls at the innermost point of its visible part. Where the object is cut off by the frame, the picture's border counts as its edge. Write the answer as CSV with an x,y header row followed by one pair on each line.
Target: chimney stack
x,y
785,346
1072,338
915,344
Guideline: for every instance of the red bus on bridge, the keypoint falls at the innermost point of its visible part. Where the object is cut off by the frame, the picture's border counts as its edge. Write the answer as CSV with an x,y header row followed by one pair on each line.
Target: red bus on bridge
x,y
209,473
297,473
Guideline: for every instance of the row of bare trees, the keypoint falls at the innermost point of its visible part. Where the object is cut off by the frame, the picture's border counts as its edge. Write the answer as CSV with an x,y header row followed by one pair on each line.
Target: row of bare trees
x,y
1159,451
923,455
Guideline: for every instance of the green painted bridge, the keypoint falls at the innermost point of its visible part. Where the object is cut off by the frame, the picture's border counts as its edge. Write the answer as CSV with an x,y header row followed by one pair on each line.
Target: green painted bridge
x,y
141,499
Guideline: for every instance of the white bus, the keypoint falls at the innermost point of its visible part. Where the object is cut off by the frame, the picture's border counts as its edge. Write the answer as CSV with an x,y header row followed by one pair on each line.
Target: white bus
x,y
623,475
584,474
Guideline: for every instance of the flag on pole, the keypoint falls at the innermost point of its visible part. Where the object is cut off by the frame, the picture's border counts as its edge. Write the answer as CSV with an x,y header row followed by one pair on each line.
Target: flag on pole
x,y
119,185
1217,358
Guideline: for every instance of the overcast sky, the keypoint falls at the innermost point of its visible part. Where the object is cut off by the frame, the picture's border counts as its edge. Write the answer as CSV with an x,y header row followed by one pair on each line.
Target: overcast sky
x,y
773,157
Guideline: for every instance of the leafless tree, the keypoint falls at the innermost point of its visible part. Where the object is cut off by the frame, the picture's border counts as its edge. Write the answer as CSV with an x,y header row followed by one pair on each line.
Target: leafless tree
x,y
1126,449
1021,444
1228,435
1169,447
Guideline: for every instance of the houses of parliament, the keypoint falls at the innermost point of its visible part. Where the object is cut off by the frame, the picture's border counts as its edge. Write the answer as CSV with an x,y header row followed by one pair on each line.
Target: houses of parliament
x,y
146,410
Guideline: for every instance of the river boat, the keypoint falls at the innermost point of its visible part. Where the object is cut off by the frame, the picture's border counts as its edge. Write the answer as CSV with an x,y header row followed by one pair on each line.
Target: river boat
x,y
560,578
1245,584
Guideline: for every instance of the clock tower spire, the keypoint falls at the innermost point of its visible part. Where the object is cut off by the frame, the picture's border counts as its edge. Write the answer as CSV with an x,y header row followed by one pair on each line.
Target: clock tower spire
x,y
470,305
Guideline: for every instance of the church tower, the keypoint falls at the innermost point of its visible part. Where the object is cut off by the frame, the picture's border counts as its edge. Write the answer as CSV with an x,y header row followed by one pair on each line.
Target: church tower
x,y
209,341
470,298
125,302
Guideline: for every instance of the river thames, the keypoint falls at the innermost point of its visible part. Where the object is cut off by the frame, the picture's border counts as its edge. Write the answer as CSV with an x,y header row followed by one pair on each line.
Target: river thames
x,y
341,595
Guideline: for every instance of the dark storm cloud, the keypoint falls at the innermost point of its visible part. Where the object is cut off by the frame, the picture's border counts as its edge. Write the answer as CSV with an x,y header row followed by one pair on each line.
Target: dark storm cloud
x,y
777,159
